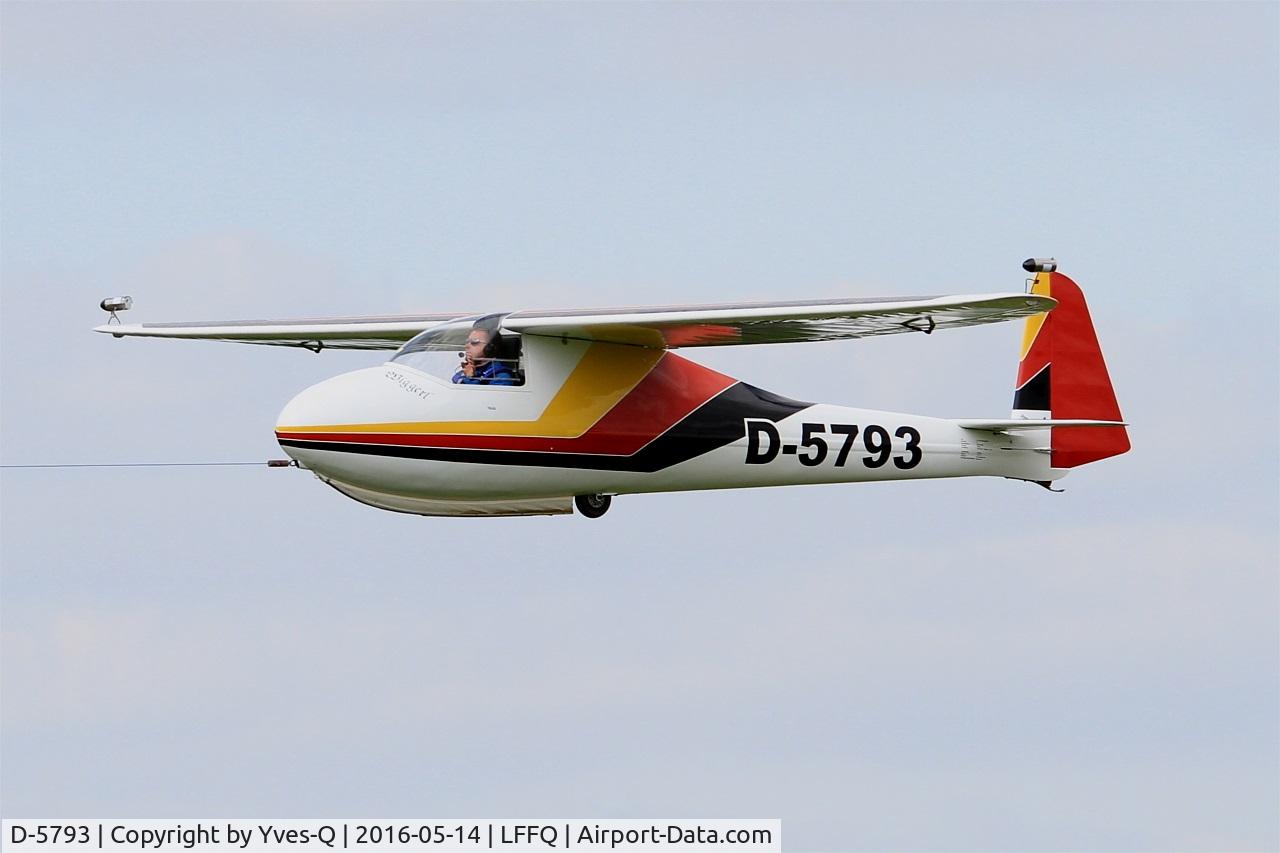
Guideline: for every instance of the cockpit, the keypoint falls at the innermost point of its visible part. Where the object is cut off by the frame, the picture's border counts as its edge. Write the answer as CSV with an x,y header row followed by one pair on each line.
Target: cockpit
x,y
468,351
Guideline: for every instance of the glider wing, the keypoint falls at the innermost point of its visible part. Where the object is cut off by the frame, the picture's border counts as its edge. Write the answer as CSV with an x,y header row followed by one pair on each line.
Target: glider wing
x,y
776,322
664,327
385,332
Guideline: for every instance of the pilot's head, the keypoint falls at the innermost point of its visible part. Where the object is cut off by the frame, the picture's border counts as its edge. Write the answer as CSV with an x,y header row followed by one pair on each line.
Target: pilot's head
x,y
478,350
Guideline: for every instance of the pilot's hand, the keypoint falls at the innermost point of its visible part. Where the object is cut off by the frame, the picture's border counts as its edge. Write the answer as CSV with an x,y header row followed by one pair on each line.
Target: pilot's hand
x,y
468,368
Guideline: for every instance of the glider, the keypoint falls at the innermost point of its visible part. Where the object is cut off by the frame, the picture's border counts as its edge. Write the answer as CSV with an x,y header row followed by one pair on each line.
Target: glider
x,y
536,412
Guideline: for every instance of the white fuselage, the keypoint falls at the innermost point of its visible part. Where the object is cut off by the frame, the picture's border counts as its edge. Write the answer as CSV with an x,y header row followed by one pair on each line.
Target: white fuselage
x,y
611,419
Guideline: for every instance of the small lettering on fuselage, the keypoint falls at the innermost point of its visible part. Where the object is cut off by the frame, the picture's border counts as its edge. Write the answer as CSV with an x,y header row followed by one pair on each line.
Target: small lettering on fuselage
x,y
764,444
974,448
407,384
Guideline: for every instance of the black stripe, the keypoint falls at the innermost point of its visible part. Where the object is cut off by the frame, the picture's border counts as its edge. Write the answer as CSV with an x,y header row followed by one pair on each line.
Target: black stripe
x,y
717,423
1034,393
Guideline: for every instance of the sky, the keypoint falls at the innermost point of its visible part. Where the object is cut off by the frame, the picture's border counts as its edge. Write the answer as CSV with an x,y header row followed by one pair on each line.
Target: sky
x,y
951,665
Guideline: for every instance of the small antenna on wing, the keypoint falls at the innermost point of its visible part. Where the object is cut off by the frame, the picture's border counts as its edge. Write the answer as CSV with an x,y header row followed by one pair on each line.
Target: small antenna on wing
x,y
112,304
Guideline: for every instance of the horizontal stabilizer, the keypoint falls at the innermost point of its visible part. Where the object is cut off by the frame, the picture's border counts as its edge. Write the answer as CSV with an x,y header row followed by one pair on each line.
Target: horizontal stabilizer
x,y
1026,423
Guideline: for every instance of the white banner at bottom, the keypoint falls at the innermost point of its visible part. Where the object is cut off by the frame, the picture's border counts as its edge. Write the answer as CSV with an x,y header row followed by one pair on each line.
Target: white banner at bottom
x,y
436,834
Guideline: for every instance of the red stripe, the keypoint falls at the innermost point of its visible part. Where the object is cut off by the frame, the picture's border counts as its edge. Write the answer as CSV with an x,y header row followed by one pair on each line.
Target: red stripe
x,y
672,390
1038,356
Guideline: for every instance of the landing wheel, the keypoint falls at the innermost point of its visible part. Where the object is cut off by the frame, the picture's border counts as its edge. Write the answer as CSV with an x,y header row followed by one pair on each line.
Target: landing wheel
x,y
593,506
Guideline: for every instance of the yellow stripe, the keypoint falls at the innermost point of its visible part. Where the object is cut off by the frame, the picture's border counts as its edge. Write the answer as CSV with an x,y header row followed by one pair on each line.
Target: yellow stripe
x,y
604,375
1035,321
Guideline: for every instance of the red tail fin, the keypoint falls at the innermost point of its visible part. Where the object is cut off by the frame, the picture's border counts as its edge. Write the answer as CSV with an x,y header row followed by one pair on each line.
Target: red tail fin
x,y
1062,375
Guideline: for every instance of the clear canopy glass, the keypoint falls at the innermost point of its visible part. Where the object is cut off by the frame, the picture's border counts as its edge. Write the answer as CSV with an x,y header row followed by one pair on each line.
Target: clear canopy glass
x,y
440,350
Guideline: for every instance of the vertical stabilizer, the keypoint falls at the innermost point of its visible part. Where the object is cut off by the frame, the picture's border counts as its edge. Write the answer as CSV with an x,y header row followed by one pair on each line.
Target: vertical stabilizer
x,y
1062,374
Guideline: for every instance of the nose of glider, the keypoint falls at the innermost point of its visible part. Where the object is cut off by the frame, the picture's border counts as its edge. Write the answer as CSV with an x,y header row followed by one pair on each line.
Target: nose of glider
x,y
310,407
323,412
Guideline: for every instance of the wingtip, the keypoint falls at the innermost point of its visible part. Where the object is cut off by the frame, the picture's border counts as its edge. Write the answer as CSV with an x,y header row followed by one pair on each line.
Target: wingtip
x,y
116,330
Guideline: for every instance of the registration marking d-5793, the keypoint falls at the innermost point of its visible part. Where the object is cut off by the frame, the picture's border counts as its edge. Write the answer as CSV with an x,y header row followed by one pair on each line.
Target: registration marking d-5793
x,y
765,444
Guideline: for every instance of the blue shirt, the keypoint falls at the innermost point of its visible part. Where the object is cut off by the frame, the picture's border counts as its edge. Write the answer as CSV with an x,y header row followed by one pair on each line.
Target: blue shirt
x,y
493,373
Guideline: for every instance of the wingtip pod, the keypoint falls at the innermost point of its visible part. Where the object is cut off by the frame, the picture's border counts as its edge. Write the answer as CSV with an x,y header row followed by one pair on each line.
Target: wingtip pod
x,y
1062,375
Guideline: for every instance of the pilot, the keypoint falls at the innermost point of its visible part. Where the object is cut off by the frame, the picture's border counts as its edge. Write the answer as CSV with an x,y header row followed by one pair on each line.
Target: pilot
x,y
479,366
